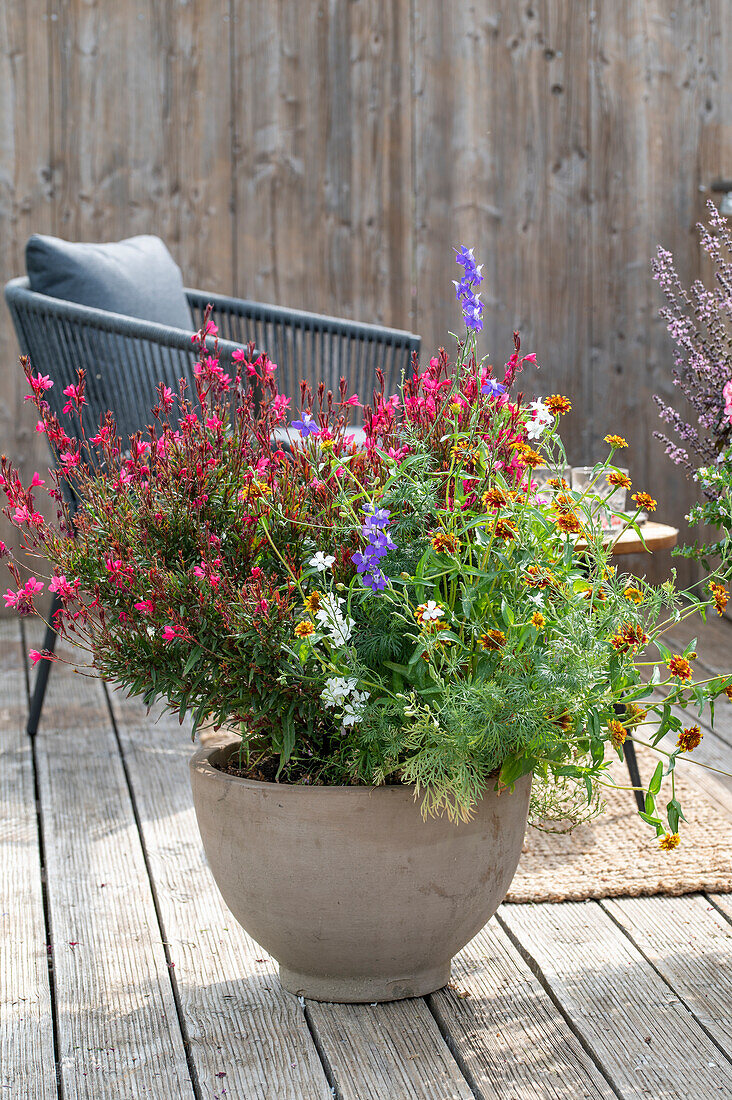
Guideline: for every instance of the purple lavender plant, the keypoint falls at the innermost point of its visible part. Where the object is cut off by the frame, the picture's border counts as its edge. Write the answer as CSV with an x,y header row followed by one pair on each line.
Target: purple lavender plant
x,y
698,321
465,289
378,543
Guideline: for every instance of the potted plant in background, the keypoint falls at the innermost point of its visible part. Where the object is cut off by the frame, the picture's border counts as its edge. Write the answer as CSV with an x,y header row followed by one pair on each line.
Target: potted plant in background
x,y
699,323
400,633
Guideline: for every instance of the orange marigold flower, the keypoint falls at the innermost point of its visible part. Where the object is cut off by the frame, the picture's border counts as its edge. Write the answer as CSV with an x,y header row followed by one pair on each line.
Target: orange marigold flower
x,y
634,594
444,543
616,441
531,458
538,620
629,637
568,522
492,639
618,732
557,404
680,667
620,481
304,629
494,498
505,529
720,596
312,602
254,490
689,739
645,500
670,841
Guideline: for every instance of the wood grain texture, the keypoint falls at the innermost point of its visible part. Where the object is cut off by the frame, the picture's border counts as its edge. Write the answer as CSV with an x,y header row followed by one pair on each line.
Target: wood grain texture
x,y
25,205
323,186
690,944
507,1032
26,1026
245,1033
119,1035
646,1040
387,1052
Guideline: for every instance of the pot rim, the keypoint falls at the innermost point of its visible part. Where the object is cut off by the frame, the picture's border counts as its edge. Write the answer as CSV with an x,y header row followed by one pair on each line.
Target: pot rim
x,y
200,762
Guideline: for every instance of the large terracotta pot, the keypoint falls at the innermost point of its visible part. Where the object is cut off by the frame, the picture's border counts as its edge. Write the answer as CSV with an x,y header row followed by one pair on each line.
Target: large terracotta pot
x,y
356,896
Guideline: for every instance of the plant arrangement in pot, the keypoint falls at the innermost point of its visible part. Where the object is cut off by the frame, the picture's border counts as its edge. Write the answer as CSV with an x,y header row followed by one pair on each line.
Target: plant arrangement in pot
x,y
412,647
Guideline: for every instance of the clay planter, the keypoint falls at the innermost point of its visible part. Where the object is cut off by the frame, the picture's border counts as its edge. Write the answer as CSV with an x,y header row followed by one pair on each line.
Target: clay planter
x,y
356,896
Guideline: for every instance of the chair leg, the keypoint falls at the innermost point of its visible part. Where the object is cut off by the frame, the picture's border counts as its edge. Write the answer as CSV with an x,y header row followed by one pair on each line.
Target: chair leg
x,y
44,669
632,761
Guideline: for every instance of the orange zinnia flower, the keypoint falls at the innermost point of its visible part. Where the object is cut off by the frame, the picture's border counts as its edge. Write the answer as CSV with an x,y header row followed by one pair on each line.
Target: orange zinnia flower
x,y
304,629
680,667
645,500
689,738
492,639
618,732
557,404
720,595
670,841
616,441
568,522
620,481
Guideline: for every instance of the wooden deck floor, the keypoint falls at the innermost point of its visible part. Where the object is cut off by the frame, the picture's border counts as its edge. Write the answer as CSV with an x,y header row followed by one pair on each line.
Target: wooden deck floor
x,y
122,975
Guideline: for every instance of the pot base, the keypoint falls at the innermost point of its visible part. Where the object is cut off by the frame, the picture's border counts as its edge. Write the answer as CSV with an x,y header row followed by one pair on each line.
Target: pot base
x,y
364,990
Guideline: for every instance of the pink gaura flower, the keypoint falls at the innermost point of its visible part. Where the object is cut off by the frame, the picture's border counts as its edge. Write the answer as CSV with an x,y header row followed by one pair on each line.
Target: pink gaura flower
x,y
239,356
214,423
22,600
279,406
76,398
169,633
166,397
39,383
41,655
37,480
23,514
40,426
70,459
146,607
60,586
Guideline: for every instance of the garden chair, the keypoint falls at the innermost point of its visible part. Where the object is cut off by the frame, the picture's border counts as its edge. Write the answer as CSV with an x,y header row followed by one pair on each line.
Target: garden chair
x,y
125,357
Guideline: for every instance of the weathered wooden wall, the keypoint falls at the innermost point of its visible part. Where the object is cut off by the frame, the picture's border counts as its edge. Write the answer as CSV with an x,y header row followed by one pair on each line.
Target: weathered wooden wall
x,y
328,154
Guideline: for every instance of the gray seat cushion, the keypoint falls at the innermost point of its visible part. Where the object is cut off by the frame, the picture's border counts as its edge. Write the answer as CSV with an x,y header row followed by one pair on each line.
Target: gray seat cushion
x,y
137,277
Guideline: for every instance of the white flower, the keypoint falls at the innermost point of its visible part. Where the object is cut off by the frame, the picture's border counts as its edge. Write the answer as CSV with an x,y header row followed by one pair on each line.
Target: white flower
x,y
541,420
337,689
432,611
353,710
321,561
333,620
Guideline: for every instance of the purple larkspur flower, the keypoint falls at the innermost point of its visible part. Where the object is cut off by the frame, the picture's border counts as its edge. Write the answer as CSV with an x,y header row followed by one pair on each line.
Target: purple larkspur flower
x,y
378,544
307,426
492,387
465,289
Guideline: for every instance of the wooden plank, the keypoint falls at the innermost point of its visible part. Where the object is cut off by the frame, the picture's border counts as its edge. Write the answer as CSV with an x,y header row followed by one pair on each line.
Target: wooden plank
x,y
652,89
690,944
387,1052
323,156
646,1041
245,1033
501,145
155,159
507,1033
27,1061
118,1030
25,208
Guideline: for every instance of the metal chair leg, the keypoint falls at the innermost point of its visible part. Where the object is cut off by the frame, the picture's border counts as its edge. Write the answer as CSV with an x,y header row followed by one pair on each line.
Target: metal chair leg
x,y
632,761
44,669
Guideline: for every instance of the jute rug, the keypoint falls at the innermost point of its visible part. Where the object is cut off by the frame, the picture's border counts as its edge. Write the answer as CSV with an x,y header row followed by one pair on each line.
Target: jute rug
x,y
617,854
